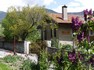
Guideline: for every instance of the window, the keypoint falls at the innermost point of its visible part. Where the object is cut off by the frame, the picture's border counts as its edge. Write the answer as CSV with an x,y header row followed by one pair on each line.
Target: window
x,y
53,33
45,33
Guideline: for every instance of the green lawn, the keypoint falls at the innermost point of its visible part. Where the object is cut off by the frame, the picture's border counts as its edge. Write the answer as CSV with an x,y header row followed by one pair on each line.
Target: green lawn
x,y
4,67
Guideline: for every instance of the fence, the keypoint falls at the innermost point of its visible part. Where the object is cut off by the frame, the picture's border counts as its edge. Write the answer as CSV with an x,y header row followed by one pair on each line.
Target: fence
x,y
9,46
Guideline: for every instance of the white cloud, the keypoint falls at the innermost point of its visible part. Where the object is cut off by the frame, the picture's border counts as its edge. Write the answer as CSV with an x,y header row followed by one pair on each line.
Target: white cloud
x,y
83,4
77,6
48,2
72,4
78,9
87,3
5,4
58,9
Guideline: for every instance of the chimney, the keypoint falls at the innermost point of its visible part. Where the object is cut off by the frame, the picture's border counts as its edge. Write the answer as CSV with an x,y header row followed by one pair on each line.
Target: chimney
x,y
64,12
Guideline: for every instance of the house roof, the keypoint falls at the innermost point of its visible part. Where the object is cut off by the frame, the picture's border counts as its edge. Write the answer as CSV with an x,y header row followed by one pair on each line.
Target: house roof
x,y
58,17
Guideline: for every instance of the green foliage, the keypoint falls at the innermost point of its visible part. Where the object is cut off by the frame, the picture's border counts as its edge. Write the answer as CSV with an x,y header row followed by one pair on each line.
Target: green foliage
x,y
34,35
4,67
91,25
58,64
28,65
67,47
43,63
10,59
1,31
37,46
22,22
7,31
55,43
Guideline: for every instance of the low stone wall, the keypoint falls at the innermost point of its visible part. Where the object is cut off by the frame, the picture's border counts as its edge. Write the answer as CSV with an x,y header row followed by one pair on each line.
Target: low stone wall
x,y
52,50
9,46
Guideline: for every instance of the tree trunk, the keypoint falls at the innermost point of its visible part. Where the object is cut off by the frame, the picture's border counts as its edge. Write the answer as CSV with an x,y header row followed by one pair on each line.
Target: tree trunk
x,y
14,47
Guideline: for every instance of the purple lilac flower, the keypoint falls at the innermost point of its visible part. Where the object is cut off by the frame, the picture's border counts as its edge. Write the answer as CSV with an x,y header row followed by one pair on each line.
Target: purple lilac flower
x,y
76,23
90,12
72,56
80,36
87,13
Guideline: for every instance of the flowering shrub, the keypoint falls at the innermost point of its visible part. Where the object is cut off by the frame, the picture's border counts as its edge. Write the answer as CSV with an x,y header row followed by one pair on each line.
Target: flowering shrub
x,y
76,23
81,57
72,56
85,46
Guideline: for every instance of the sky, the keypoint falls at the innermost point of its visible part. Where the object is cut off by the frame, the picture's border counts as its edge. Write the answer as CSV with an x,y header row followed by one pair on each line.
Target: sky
x,y
56,5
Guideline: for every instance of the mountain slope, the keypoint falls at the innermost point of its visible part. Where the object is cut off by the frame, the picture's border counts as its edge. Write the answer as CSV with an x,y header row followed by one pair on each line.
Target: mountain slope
x,y
2,15
76,13
50,11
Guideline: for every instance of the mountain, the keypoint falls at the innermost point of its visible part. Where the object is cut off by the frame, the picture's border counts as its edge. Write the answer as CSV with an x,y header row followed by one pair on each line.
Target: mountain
x,y
2,15
76,13
73,13
50,11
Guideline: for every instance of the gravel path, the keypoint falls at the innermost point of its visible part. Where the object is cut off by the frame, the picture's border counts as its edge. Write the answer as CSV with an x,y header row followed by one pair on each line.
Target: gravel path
x,y
32,57
4,53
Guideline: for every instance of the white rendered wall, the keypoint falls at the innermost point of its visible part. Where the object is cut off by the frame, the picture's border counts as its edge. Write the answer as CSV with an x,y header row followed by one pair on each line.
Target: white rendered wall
x,y
26,47
48,43
66,42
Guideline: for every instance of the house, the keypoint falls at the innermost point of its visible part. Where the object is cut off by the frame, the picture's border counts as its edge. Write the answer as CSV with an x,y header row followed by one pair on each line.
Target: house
x,y
64,31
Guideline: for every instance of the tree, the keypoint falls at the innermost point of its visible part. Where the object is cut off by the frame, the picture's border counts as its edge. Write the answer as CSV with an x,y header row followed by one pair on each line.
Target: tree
x,y
1,31
19,23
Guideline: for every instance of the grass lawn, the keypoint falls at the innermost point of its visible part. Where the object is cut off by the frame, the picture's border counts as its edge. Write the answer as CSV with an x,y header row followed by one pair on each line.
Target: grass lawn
x,y
4,67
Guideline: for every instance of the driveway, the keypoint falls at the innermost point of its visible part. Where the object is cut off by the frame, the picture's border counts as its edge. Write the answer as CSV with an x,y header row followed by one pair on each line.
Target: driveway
x,y
32,57
4,53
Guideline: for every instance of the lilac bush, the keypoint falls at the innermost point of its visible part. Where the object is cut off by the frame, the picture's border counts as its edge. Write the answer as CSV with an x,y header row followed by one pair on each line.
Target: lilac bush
x,y
81,57
81,31
80,37
87,13
72,56
76,24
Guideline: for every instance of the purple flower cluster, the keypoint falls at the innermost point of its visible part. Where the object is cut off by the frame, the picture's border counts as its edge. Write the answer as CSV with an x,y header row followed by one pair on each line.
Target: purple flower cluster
x,y
76,23
80,36
87,13
72,56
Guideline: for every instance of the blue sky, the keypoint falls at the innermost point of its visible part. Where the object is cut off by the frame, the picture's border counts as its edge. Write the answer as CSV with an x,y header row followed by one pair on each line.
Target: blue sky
x,y
56,5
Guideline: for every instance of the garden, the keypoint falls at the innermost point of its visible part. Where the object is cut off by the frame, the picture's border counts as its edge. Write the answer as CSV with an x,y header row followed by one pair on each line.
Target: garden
x,y
76,57
21,25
